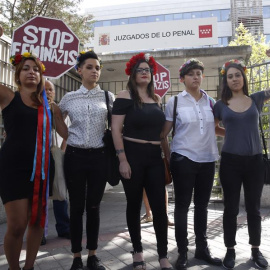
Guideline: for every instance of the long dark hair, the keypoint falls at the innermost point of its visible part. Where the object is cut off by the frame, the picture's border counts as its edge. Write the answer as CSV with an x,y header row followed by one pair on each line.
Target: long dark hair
x,y
226,92
132,86
37,95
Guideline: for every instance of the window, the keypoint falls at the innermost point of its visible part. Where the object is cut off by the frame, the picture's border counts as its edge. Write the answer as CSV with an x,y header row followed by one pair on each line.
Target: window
x,y
206,14
98,24
266,12
115,22
222,15
186,15
159,18
196,15
123,21
215,13
225,15
142,19
151,18
106,23
178,16
223,41
169,17
132,20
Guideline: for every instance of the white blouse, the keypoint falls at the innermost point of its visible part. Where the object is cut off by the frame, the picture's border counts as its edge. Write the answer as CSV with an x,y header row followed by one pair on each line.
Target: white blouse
x,y
194,129
88,116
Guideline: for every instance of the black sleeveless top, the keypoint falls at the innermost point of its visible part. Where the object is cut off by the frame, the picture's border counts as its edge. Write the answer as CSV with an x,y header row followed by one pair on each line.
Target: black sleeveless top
x,y
144,123
18,149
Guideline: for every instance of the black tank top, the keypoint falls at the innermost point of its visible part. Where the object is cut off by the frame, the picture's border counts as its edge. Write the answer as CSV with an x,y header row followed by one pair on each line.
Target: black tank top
x,y
20,123
143,122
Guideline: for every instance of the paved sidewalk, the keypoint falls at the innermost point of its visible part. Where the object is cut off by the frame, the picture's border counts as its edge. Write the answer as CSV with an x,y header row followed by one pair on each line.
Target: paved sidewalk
x,y
114,241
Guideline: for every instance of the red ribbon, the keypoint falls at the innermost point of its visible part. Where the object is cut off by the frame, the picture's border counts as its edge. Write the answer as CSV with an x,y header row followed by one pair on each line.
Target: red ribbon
x,y
45,186
39,197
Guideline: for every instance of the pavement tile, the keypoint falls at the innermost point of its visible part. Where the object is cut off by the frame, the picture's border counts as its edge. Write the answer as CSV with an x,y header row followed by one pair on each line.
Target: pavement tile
x,y
115,246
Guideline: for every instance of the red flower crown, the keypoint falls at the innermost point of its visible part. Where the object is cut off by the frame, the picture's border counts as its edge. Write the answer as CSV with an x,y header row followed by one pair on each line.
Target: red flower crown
x,y
141,56
17,58
233,61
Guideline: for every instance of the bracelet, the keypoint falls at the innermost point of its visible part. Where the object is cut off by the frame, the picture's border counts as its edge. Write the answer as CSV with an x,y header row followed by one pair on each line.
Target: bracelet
x,y
119,151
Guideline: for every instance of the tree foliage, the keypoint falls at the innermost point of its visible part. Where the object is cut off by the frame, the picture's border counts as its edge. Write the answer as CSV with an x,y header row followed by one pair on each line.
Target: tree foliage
x,y
258,73
257,43
17,12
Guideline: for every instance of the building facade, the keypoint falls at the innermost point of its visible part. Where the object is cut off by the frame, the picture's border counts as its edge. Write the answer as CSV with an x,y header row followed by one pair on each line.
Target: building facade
x,y
255,14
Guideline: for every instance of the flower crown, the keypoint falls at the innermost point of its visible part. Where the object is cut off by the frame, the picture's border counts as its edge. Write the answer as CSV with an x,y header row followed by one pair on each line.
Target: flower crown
x,y
17,58
190,62
233,61
141,56
81,53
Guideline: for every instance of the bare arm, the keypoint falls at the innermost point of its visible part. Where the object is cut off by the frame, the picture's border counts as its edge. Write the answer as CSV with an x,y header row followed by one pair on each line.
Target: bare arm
x,y
267,94
220,131
63,145
6,95
61,127
117,127
164,139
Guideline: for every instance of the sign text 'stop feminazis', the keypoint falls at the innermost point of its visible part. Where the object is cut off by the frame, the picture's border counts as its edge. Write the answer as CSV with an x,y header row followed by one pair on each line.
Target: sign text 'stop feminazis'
x,y
51,40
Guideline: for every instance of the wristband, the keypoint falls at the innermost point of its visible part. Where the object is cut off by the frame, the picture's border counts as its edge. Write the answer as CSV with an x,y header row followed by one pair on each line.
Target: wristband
x,y
119,151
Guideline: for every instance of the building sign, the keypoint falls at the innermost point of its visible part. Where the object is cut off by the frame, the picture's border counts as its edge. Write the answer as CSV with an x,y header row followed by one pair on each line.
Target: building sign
x,y
157,35
51,40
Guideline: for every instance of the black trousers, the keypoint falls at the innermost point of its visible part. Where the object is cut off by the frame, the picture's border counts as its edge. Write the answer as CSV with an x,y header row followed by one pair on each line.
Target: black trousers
x,y
147,171
236,171
86,181
188,176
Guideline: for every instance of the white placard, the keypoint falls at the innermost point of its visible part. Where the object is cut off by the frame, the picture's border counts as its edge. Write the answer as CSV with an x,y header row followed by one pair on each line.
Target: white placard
x,y
157,35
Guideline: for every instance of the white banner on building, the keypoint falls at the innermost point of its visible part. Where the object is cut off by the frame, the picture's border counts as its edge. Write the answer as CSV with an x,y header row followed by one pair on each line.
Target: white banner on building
x,y
157,35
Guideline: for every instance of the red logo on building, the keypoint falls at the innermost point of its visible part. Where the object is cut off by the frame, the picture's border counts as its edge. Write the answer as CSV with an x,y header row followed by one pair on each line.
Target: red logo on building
x,y
205,31
104,39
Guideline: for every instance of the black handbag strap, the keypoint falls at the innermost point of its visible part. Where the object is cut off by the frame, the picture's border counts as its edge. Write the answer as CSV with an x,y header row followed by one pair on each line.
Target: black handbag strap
x,y
174,115
109,114
262,134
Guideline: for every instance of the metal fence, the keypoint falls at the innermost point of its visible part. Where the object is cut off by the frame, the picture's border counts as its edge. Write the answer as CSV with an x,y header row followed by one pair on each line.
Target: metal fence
x,y
259,79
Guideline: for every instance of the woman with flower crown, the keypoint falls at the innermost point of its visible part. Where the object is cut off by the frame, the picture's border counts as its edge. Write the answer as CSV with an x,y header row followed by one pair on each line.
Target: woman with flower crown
x,y
85,157
137,121
241,158
192,162
25,158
